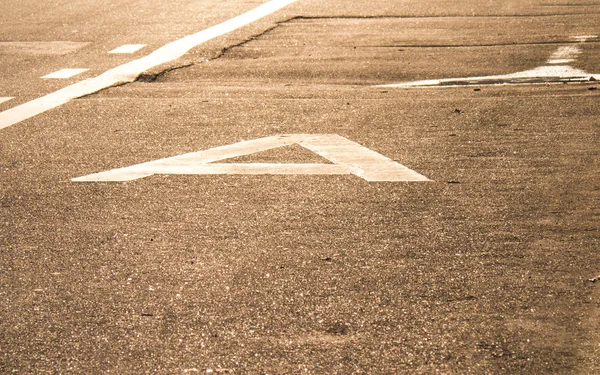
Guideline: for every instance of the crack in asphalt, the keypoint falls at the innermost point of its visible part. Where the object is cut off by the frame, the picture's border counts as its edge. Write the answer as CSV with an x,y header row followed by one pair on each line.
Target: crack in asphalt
x,y
550,43
152,77
143,78
147,77
247,40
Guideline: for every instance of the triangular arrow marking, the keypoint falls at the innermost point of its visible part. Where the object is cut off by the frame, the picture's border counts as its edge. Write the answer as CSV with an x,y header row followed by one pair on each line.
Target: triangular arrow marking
x,y
347,157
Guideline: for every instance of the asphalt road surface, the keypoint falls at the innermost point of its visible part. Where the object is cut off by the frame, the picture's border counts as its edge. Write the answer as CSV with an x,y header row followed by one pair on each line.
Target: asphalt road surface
x,y
321,187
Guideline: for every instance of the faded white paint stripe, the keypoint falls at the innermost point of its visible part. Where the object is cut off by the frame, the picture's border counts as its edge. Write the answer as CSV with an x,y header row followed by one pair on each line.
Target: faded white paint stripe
x,y
5,98
128,48
128,72
566,52
40,48
560,61
347,157
583,38
140,171
65,73
558,72
564,55
543,74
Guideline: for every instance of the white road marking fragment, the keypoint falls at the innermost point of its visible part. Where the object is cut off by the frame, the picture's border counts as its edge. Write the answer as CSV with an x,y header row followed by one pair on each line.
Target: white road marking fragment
x,y
40,48
540,75
128,48
565,54
128,72
5,98
583,38
347,157
64,73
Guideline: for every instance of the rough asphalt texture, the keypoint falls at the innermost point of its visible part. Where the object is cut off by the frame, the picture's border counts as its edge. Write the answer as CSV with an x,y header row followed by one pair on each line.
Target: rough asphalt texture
x,y
484,270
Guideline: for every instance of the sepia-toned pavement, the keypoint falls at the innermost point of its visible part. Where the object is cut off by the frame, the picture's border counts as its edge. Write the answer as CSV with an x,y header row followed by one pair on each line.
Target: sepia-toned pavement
x,y
486,265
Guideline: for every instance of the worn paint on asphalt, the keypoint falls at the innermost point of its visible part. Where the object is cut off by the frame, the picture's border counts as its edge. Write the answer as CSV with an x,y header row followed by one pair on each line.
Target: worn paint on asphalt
x,y
553,73
128,72
348,157
40,48
65,73
128,48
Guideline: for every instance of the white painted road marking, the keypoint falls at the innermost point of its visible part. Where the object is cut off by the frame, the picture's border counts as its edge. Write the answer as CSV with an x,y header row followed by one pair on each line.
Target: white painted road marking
x,y
130,71
540,75
564,55
347,157
64,73
543,74
128,48
5,98
583,38
40,48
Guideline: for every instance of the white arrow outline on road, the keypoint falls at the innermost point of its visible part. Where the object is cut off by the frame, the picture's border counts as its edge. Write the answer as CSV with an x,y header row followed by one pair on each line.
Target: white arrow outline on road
x,y
541,75
347,157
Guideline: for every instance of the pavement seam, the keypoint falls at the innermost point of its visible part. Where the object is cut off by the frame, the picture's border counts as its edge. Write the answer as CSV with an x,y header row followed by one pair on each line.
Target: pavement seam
x,y
153,77
245,41
443,16
549,43
148,77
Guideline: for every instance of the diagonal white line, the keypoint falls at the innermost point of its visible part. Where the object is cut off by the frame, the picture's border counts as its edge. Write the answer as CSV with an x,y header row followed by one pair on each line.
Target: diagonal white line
x,y
130,71
65,73
128,48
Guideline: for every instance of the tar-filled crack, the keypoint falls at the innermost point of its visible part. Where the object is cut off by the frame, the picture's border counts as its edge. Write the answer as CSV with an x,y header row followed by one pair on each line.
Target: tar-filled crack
x,y
103,89
245,41
153,77
144,77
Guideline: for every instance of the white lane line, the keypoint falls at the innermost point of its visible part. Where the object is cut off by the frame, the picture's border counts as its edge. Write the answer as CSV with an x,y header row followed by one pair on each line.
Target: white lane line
x,y
5,98
347,157
128,48
128,72
65,73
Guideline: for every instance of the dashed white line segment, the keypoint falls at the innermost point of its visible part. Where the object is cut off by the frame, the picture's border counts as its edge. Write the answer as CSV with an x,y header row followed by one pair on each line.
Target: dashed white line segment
x,y
5,98
65,73
128,72
128,48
